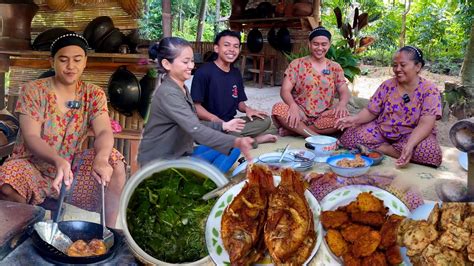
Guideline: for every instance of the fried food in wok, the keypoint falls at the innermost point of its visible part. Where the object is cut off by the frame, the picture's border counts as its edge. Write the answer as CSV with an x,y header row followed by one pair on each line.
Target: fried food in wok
x,y
80,248
244,219
446,238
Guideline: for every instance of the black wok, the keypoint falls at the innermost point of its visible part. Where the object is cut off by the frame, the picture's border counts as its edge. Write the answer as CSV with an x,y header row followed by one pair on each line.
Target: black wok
x,y
76,230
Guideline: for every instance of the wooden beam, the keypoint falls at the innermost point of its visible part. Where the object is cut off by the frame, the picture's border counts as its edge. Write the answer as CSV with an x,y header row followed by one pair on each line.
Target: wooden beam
x,y
96,66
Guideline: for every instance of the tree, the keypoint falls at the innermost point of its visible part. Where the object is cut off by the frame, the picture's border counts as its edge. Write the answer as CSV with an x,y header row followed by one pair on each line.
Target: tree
x,y
404,22
202,14
166,18
467,73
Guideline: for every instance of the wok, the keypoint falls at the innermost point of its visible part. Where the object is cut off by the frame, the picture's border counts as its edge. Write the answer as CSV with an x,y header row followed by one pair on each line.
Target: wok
x,y
284,40
255,41
76,230
97,29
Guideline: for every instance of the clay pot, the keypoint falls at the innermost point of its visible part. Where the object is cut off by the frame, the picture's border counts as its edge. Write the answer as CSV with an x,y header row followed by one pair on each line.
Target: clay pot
x,y
111,42
289,10
97,29
302,9
15,27
132,7
60,5
280,9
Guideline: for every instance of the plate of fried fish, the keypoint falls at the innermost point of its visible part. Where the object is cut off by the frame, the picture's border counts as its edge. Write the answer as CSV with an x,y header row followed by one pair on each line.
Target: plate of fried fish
x,y
439,234
265,220
360,226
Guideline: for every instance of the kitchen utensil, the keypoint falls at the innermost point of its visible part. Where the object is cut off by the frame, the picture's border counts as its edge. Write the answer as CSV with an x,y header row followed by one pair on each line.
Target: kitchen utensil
x,y
221,190
57,238
107,235
284,152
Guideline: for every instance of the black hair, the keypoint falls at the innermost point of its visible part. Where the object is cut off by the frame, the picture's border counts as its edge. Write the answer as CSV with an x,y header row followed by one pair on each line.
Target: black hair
x,y
223,33
153,51
416,54
169,48
319,31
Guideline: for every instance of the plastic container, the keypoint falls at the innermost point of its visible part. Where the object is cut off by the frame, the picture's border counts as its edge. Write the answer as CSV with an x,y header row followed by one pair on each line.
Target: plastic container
x,y
348,171
323,146
145,172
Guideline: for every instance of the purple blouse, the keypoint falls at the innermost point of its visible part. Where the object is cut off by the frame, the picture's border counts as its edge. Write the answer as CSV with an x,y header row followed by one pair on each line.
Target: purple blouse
x,y
395,118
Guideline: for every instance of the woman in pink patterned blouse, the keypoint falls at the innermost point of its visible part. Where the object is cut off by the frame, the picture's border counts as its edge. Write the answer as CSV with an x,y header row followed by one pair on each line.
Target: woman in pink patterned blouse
x,y
55,114
309,89
400,117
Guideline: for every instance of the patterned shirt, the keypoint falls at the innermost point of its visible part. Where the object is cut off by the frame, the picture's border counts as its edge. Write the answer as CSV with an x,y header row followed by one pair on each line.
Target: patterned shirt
x,y
397,118
314,91
65,132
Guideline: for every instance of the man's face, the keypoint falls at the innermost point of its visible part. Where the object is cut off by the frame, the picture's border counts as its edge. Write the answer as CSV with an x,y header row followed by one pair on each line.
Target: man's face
x,y
69,63
227,49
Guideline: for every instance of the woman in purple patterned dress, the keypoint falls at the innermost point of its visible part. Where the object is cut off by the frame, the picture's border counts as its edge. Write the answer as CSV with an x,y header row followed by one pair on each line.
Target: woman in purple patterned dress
x,y
400,117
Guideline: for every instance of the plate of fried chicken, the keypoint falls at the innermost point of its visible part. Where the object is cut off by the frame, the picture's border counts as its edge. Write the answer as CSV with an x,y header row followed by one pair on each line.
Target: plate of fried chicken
x,y
360,226
265,220
439,234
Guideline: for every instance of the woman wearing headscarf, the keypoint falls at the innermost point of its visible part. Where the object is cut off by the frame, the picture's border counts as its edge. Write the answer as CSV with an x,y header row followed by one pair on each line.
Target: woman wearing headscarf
x,y
55,114
400,117
309,89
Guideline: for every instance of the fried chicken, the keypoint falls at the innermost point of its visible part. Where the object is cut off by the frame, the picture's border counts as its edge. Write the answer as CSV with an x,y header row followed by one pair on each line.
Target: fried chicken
x,y
375,259
351,232
366,244
389,231
333,219
336,242
375,219
366,202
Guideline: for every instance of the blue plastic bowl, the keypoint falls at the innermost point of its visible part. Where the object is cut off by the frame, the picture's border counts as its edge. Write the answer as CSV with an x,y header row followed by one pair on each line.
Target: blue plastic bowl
x,y
348,171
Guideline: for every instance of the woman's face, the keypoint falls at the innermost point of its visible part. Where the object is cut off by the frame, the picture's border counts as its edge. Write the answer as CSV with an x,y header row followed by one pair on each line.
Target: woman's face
x,y
319,46
404,67
182,65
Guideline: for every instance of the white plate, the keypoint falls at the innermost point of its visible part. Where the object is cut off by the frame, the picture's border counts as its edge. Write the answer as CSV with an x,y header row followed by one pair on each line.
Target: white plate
x,y
463,160
420,213
214,243
344,195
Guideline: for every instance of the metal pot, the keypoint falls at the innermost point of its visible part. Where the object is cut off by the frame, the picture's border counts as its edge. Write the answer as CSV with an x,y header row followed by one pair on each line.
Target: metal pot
x,y
44,40
111,42
255,41
97,29
147,86
75,230
272,38
124,91
15,25
284,40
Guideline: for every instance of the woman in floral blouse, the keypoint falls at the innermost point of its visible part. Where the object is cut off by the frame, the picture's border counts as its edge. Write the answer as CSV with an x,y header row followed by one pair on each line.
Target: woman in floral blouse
x,y
308,91
55,114
400,118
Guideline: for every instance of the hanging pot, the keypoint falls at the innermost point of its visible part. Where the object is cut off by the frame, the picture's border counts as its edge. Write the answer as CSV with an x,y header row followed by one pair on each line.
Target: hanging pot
x,y
44,40
147,86
255,41
124,91
97,29
272,38
15,24
284,40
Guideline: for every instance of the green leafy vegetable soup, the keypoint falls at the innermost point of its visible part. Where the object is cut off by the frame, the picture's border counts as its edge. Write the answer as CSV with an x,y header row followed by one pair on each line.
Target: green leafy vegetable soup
x,y
166,215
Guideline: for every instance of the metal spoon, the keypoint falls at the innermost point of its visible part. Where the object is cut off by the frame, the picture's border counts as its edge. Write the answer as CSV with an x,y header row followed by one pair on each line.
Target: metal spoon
x,y
107,235
310,133
284,152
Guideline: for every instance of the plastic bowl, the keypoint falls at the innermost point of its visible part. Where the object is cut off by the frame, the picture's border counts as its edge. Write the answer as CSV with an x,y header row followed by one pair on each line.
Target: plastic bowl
x,y
145,172
348,171
323,146
272,159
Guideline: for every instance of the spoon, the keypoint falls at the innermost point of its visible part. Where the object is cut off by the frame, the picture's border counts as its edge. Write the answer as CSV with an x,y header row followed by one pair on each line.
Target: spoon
x,y
310,133
284,152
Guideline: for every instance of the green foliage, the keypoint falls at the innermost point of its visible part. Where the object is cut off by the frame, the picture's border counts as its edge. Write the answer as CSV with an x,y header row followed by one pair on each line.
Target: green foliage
x,y
304,51
185,19
343,55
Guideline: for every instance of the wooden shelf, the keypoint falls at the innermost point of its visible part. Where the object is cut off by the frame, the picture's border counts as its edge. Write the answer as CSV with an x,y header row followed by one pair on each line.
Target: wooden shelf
x,y
96,62
303,23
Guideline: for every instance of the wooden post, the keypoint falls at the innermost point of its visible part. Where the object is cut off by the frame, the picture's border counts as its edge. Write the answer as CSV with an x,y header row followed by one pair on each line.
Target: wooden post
x,y
166,17
4,67
317,11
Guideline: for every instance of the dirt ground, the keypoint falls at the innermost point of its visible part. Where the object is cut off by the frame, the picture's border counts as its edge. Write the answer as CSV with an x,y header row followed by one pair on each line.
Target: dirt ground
x,y
364,86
